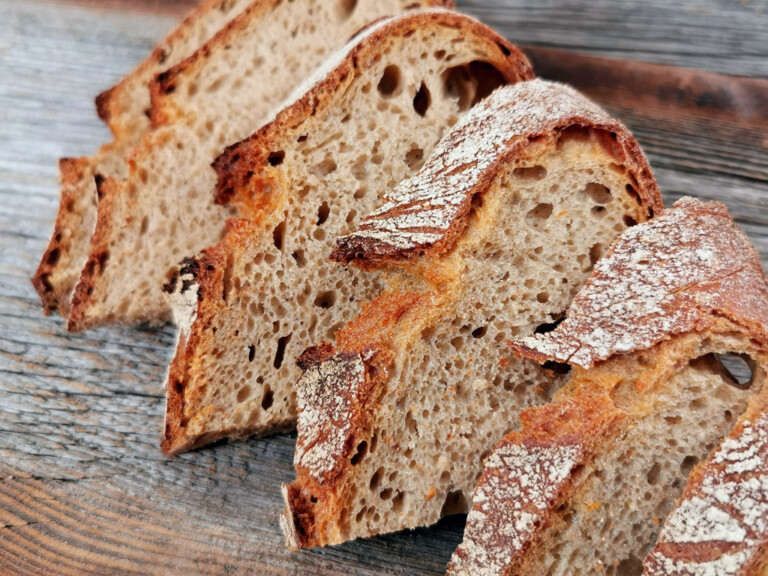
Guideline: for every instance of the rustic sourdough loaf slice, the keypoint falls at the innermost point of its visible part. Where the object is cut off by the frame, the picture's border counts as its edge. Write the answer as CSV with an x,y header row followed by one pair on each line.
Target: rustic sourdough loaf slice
x,y
163,210
124,108
497,232
251,304
720,524
581,487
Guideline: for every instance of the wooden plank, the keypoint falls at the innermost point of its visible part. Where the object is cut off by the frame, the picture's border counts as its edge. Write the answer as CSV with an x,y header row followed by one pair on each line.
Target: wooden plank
x,y
83,487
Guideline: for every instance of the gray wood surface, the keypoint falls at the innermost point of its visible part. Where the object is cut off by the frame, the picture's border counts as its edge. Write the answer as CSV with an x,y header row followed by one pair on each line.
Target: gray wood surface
x,y
83,487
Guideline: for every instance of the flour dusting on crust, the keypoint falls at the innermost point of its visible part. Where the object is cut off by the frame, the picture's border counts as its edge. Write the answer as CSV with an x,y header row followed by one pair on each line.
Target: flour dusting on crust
x,y
327,394
720,525
420,211
664,277
518,485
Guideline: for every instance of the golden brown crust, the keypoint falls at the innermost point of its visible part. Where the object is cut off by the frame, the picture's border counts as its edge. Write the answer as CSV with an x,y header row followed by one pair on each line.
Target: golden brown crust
x,y
237,165
108,102
74,174
532,472
678,273
427,213
160,113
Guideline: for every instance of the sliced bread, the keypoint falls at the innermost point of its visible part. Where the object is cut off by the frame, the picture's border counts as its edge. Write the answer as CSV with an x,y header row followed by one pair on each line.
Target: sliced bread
x,y
162,210
125,109
582,486
720,524
496,234
249,306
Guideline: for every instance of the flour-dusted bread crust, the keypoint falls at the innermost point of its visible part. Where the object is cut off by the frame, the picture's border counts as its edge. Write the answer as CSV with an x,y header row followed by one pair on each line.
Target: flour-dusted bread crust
x,y
162,210
720,524
125,109
268,290
394,421
583,485
424,215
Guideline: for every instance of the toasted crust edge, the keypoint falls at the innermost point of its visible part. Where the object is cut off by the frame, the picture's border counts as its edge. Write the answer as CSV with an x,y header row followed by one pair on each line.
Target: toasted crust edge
x,y
107,105
71,172
234,166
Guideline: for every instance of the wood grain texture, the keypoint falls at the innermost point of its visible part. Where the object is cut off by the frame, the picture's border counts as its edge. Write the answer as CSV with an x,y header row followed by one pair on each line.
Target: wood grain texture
x,y
83,486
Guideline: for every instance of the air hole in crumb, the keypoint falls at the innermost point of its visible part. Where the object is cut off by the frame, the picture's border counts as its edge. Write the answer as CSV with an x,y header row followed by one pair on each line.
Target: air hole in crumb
x,y
390,80
556,367
687,464
251,353
299,257
598,210
345,8
276,158
280,354
243,393
422,100
653,474
414,158
595,253
471,83
326,299
323,213
278,235
542,297
376,479
268,399
479,332
738,369
633,193
360,453
531,172
324,168
397,502
629,567
629,221
540,212
600,194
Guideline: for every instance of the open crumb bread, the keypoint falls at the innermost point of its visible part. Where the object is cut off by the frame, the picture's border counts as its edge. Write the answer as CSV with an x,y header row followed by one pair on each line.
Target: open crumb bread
x,y
249,306
125,108
582,486
490,240
163,209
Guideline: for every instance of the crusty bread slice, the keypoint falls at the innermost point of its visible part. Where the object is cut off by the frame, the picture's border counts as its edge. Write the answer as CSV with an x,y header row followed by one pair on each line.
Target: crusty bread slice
x,y
125,109
268,290
720,524
497,232
582,486
163,210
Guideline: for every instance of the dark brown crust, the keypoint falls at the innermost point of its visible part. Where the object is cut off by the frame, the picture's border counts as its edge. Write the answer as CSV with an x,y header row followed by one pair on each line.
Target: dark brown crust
x,y
107,103
107,190
205,272
72,172
236,166
165,82
618,141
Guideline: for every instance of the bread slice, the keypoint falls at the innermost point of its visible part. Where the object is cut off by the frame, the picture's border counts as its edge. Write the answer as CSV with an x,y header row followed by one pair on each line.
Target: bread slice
x,y
582,486
125,109
496,234
720,524
251,304
163,211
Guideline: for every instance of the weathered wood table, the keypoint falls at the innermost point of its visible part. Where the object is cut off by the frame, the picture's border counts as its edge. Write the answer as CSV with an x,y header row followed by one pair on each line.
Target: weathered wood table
x,y
83,486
